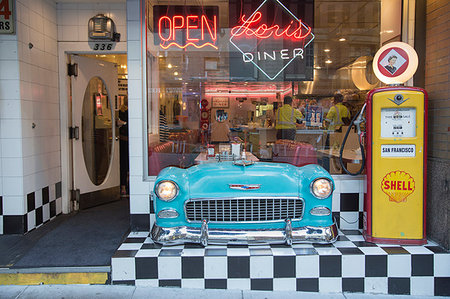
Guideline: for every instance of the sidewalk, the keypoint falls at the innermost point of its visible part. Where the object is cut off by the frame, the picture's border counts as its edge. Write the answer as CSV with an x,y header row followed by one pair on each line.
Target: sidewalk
x,y
115,291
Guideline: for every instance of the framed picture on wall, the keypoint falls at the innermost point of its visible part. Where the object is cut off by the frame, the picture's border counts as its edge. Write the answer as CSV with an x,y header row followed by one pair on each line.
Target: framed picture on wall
x,y
220,102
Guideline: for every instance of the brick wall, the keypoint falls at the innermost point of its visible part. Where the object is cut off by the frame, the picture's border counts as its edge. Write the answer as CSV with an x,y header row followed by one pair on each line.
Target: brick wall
x,y
437,84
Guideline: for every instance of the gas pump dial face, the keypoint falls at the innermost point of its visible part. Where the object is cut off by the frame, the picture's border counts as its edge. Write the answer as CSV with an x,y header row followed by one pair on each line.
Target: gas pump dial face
x,y
398,122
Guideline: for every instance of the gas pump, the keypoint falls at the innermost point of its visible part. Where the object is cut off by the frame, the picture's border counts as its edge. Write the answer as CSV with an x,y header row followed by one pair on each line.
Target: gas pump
x,y
395,141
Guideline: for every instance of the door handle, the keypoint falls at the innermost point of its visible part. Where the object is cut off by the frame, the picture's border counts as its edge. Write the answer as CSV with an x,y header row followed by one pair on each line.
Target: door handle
x,y
117,138
74,133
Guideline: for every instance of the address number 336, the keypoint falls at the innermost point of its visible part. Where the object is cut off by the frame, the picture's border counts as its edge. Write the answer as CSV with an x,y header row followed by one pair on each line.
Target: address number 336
x,y
102,46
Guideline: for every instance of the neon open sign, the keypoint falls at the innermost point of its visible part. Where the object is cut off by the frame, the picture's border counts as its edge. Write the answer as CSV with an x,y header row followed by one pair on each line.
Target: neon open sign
x,y
186,26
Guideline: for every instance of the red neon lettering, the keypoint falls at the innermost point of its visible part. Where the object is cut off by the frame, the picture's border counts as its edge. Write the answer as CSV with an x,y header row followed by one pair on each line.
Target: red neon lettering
x,y
192,22
161,20
195,19
264,31
205,22
175,27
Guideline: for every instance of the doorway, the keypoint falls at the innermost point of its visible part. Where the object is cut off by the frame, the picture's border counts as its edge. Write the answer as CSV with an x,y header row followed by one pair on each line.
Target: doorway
x,y
98,94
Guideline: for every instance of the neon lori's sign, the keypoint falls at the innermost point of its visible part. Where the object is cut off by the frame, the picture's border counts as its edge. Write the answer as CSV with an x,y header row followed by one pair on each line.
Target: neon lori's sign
x,y
296,31
186,26
273,39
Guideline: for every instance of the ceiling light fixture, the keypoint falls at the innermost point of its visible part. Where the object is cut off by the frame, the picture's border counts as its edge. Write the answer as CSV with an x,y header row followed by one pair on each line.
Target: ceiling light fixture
x,y
328,61
169,66
342,39
327,50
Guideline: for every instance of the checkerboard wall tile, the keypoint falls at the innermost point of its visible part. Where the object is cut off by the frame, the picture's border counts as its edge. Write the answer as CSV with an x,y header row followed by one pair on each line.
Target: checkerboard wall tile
x,y
348,265
42,206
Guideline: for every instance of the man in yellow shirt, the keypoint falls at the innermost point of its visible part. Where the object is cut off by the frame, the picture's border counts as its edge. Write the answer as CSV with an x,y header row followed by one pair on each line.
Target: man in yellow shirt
x,y
287,118
338,114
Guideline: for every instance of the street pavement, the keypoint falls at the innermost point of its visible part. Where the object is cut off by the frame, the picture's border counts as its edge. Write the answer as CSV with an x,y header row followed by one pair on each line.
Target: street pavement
x,y
121,291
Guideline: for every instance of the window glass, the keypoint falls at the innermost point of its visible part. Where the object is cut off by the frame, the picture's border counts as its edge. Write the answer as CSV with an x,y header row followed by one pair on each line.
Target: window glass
x,y
278,80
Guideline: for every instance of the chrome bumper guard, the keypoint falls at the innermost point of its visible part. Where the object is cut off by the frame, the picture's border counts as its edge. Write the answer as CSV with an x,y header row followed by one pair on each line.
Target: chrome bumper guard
x,y
204,235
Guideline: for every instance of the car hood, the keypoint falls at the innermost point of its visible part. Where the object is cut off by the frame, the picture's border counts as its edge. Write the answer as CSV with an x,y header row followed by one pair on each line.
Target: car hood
x,y
271,179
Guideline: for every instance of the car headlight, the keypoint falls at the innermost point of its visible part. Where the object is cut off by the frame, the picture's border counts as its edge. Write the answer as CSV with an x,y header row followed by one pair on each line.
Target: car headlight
x,y
322,188
166,190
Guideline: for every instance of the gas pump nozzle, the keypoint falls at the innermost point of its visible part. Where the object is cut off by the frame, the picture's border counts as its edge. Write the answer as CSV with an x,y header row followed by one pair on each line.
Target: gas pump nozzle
x,y
357,122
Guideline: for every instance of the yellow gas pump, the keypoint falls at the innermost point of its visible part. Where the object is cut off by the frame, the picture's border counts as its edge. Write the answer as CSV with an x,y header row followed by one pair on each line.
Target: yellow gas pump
x,y
396,126
394,205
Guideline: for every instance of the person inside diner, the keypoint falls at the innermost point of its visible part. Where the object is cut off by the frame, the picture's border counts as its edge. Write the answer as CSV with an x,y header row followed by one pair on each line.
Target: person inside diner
x,y
338,115
287,119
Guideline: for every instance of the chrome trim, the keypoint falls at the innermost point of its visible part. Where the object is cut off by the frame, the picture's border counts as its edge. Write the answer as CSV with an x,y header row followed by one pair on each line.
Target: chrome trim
x,y
320,178
242,162
184,234
252,186
320,207
288,232
204,233
246,197
169,210
176,186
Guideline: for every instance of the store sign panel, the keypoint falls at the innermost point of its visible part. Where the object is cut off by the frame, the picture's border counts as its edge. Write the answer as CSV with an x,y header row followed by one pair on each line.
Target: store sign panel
x,y
180,27
271,42
7,13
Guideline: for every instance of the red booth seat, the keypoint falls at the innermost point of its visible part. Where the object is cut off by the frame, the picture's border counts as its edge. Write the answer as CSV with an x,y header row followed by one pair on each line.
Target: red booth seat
x,y
295,153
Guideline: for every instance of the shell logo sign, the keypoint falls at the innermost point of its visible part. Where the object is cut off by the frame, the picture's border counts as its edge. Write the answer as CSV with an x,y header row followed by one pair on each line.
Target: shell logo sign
x,y
398,185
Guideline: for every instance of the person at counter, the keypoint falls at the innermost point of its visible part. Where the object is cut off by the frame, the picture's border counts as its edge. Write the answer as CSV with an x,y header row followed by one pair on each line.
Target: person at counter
x,y
286,120
338,114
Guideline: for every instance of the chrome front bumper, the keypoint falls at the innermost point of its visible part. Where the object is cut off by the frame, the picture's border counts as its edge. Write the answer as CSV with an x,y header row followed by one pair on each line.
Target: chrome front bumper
x,y
205,236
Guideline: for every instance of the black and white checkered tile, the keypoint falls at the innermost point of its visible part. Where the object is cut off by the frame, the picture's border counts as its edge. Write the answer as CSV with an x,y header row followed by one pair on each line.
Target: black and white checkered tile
x,y
348,201
42,206
348,265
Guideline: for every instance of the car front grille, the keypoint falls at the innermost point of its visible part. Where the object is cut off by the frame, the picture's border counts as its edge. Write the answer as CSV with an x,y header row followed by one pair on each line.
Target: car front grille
x,y
244,209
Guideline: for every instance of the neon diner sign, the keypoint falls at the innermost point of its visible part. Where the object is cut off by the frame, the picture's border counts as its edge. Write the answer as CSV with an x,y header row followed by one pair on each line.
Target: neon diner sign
x,y
186,26
257,35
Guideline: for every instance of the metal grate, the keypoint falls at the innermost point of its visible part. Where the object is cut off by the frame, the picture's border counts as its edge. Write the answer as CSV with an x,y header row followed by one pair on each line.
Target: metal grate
x,y
244,209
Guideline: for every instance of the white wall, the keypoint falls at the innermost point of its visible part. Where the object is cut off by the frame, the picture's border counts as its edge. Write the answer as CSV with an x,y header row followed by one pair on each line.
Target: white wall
x,y
30,157
73,18
139,189
10,114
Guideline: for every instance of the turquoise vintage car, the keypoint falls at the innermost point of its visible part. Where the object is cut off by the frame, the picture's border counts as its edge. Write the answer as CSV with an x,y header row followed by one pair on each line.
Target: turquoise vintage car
x,y
242,202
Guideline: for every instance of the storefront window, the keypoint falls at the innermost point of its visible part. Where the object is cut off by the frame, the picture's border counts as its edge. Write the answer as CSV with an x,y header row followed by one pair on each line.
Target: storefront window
x,y
277,79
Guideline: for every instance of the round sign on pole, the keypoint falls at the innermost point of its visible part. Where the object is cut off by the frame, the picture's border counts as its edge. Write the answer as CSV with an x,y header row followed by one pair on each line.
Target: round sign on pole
x,y
395,63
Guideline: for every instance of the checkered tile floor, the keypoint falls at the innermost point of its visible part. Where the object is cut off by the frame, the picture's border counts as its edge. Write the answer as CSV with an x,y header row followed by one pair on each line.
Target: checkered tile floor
x,y
348,265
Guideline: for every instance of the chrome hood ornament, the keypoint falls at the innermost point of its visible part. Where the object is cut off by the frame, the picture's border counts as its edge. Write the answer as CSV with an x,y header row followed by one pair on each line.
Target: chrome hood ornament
x,y
244,187
243,163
